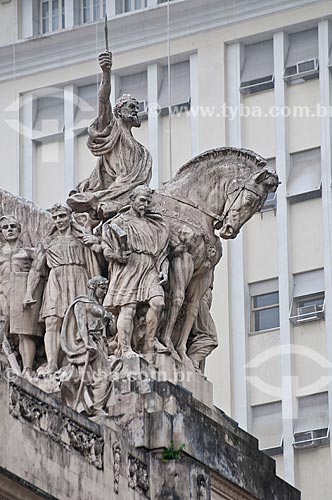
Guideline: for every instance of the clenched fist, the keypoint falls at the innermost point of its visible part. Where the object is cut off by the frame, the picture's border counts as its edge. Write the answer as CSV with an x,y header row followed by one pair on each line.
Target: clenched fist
x,y
105,60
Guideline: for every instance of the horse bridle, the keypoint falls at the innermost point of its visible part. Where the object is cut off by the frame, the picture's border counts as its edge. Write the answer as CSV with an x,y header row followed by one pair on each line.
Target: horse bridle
x,y
220,220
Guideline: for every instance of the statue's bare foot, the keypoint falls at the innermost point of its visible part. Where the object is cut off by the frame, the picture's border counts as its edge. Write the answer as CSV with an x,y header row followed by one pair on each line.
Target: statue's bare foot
x,y
161,348
185,359
27,373
47,370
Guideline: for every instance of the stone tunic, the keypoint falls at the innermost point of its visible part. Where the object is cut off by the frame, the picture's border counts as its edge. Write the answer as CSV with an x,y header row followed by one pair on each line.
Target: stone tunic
x,y
12,259
138,279
68,277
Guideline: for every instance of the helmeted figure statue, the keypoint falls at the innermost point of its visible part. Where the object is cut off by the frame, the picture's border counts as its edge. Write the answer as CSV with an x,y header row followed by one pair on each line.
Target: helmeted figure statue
x,y
87,380
14,258
67,256
138,271
123,163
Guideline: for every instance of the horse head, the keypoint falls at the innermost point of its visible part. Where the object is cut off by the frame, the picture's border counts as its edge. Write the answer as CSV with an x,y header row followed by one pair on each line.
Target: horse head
x,y
244,198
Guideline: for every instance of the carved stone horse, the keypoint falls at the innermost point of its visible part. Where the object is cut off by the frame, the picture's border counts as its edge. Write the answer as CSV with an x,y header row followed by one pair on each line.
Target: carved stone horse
x,y
219,189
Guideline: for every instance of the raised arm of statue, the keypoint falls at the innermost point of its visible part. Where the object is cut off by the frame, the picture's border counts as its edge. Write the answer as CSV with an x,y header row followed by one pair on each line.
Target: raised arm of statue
x,y
105,113
34,275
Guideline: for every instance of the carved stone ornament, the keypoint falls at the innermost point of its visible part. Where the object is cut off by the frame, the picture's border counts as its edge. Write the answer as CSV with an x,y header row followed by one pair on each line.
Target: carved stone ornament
x,y
138,478
57,426
116,465
228,490
202,488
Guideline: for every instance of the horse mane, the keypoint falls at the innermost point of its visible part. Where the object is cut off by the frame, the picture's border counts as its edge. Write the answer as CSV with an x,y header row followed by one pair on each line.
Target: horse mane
x,y
257,160
34,220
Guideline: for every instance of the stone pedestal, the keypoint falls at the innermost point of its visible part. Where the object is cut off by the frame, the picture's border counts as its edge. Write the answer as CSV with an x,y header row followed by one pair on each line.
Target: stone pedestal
x,y
158,443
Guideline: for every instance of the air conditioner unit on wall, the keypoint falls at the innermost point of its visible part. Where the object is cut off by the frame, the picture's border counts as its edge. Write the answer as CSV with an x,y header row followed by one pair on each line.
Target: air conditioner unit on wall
x,y
303,70
310,313
257,85
311,439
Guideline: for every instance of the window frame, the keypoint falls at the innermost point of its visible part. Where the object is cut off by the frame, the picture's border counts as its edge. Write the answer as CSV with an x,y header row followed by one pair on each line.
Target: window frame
x,y
93,15
254,310
132,6
50,18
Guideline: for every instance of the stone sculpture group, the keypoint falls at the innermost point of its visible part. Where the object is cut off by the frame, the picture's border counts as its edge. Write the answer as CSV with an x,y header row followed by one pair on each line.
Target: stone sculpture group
x,y
121,270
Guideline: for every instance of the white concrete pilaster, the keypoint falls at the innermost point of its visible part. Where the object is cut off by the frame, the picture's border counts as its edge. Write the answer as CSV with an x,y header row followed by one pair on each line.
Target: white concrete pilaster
x,y
239,326
325,83
285,277
154,82
69,138
27,180
194,104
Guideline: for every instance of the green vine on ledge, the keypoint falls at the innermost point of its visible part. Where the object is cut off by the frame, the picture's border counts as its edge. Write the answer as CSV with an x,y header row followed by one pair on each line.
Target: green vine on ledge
x,y
172,453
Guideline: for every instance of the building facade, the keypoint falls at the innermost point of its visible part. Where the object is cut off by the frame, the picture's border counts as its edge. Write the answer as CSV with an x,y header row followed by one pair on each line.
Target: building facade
x,y
252,74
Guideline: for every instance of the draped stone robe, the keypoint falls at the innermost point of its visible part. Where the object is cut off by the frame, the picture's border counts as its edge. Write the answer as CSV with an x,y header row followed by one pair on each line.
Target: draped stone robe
x,y
123,163
138,279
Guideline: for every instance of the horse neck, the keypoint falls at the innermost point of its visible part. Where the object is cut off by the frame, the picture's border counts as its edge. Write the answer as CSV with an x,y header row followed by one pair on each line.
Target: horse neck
x,y
206,188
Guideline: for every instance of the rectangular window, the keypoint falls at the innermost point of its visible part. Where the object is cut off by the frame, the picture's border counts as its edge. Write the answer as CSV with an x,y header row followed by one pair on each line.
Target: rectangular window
x,y
86,11
122,6
304,181
180,86
55,15
312,426
302,58
92,10
257,72
45,16
96,10
51,15
49,118
267,427
265,311
308,302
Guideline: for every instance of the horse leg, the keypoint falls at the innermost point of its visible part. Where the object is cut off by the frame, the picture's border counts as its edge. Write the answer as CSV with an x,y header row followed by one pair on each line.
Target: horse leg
x,y
181,271
196,289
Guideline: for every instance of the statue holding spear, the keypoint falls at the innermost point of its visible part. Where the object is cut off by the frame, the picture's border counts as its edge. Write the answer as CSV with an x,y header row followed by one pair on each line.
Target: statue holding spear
x,y
123,163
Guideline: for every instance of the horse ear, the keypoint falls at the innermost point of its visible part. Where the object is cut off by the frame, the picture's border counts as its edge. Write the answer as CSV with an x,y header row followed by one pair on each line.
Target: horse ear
x,y
268,177
261,176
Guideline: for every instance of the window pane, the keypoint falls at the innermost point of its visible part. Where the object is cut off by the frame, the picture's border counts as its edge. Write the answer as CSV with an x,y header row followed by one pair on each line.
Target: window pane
x,y
315,301
127,5
138,4
45,19
104,8
55,15
267,299
96,14
86,11
63,14
266,319
118,6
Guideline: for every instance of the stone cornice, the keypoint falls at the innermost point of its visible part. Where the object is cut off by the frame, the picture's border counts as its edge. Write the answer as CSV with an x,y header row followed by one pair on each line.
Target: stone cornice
x,y
81,44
